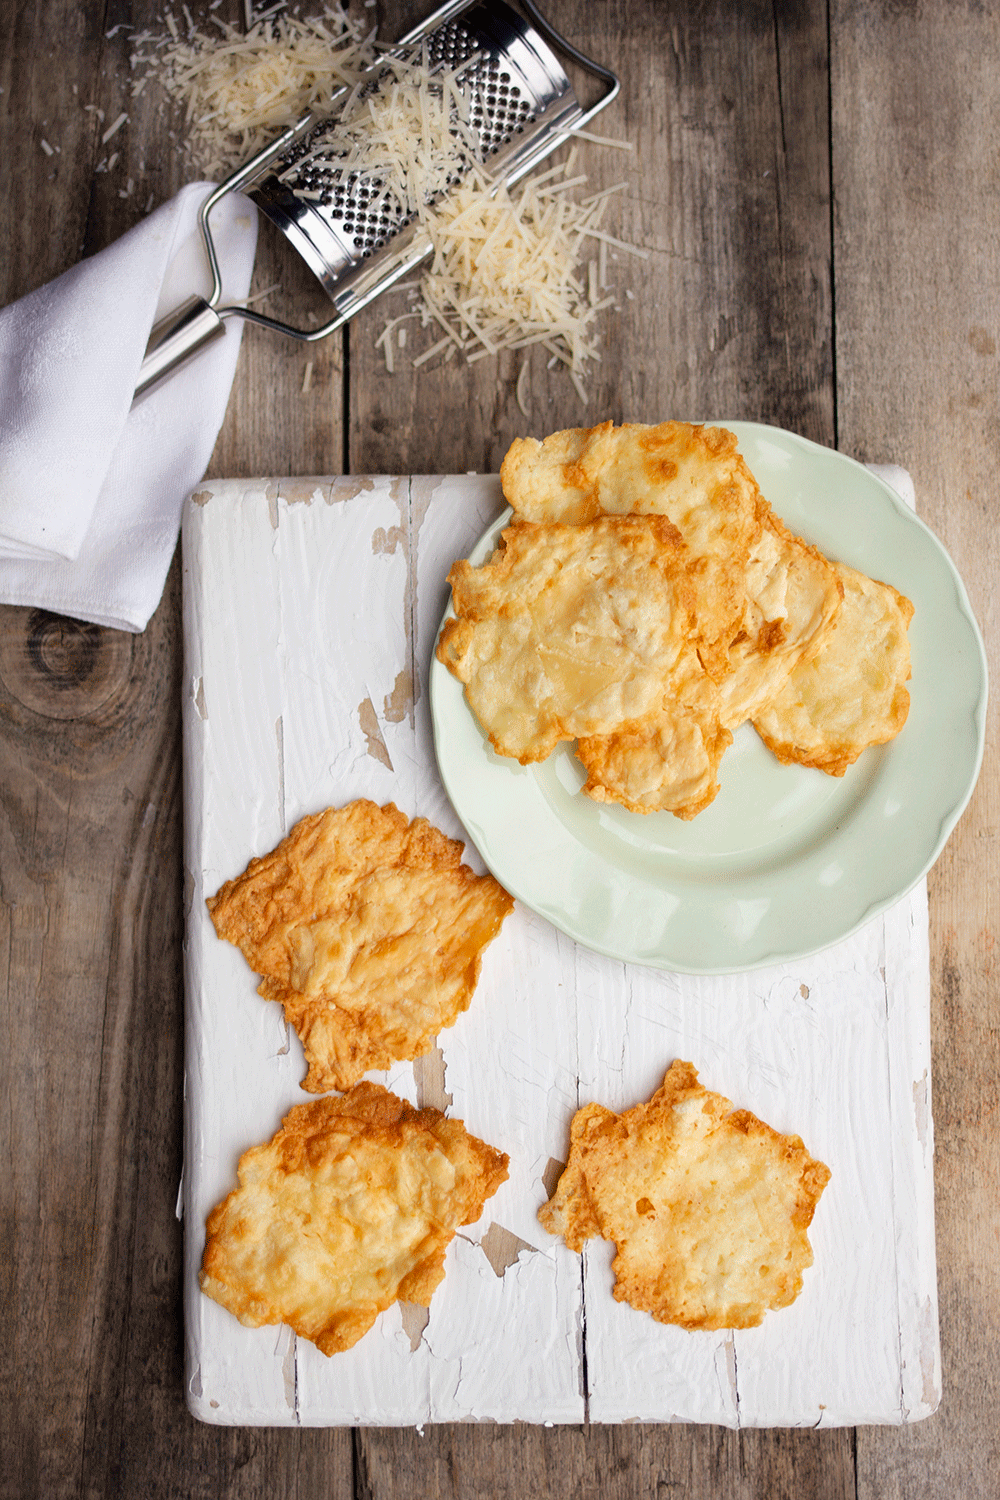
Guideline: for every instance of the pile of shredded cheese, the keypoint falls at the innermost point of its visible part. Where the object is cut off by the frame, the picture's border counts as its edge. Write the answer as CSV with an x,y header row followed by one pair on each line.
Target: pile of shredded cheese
x,y
407,137
240,90
507,272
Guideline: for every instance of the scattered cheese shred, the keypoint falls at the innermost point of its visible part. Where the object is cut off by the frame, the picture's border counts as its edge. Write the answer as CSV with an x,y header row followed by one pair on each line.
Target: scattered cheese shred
x,y
113,129
400,139
239,91
521,391
506,271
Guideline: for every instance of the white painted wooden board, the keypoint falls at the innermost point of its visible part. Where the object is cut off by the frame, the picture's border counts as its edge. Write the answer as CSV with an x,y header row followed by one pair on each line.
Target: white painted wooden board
x,y
310,612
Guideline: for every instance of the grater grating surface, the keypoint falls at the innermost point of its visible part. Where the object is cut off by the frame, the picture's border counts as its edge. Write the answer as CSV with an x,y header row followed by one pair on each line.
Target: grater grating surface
x,y
514,91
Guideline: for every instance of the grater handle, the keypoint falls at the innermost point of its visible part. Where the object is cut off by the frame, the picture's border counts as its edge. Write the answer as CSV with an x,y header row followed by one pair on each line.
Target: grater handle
x,y
611,79
198,322
175,339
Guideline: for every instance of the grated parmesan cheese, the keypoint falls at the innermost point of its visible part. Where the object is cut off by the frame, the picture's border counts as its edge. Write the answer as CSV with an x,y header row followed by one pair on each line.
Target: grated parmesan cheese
x,y
521,390
506,272
400,138
239,91
114,129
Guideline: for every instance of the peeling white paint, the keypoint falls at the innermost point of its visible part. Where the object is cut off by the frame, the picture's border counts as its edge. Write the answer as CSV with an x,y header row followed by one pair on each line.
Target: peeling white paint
x,y
285,1349
922,1108
414,1320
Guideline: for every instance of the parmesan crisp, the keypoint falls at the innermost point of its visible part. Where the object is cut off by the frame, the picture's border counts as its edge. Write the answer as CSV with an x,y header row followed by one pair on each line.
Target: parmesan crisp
x,y
707,1206
368,929
682,609
850,693
571,630
692,475
349,1208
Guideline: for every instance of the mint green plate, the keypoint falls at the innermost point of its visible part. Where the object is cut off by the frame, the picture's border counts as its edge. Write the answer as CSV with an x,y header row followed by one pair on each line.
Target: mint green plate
x,y
786,860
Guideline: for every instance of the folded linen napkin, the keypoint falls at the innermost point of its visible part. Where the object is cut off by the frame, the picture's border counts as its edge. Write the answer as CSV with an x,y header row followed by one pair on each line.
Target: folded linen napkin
x,y
91,487
898,479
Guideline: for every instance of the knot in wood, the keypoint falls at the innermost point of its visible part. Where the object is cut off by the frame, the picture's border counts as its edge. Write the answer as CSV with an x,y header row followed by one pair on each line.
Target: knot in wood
x,y
60,667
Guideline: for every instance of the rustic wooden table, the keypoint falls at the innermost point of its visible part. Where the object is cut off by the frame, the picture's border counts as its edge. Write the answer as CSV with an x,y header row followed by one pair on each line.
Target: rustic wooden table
x,y
816,184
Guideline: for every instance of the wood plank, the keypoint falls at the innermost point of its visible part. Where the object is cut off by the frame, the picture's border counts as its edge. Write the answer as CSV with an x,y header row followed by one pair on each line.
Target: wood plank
x,y
91,909
608,1463
916,107
45,82
728,193
713,99
285,412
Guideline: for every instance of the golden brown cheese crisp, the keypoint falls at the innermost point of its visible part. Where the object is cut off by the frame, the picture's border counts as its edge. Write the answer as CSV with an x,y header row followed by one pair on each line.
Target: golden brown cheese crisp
x,y
793,594
850,693
694,475
349,1208
570,631
707,1206
369,930
667,761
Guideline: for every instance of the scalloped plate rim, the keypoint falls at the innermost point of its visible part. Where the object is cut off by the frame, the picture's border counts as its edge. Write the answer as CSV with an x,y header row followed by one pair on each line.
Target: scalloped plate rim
x,y
475,779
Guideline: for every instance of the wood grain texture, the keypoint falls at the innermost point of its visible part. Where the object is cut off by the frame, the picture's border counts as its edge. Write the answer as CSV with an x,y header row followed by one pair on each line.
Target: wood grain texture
x,y
304,382
916,112
733,315
608,1463
728,194
90,878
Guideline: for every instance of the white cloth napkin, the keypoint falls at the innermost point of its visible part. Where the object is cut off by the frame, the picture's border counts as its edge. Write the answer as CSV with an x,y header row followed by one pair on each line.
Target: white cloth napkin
x,y
91,487
898,479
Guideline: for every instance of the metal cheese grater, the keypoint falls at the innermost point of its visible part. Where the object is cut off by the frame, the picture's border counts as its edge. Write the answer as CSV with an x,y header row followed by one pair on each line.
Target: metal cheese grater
x,y
357,240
